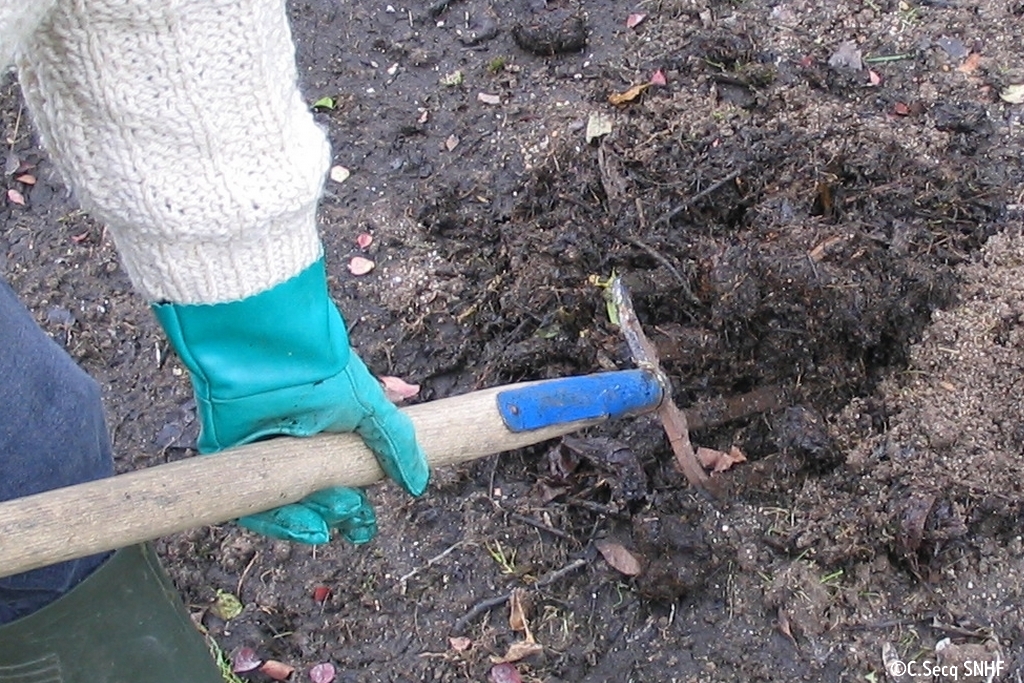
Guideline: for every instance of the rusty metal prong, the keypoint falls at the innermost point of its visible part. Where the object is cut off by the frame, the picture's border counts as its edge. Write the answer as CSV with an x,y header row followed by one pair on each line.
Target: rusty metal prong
x,y
640,346
672,419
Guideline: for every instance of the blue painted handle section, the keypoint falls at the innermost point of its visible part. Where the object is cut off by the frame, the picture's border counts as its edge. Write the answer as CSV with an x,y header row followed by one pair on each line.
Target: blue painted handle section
x,y
586,397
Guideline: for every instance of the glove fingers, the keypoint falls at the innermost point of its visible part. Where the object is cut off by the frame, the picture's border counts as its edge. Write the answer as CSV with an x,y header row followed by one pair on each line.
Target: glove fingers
x,y
388,432
310,520
390,435
346,510
296,523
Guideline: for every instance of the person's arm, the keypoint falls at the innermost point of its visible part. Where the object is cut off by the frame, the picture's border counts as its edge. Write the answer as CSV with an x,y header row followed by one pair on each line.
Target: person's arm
x,y
181,127
18,23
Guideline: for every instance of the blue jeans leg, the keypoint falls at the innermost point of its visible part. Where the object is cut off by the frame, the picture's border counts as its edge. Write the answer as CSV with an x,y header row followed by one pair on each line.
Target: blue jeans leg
x,y
52,434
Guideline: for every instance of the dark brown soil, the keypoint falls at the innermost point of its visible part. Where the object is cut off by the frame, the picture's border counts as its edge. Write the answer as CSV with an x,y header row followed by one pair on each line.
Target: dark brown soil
x,y
786,223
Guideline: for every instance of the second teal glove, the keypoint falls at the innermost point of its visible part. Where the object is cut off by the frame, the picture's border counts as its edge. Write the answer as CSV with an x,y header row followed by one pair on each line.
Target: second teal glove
x,y
280,363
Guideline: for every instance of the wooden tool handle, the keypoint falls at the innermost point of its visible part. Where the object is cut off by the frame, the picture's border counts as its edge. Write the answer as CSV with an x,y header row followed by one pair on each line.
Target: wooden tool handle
x,y
80,520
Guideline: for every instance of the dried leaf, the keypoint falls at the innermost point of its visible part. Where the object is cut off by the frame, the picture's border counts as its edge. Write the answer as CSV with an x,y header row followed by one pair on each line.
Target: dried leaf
x,y
226,606
26,178
658,78
504,673
460,643
629,95
321,594
487,98
891,659
245,659
518,618
598,125
874,78
397,389
635,19
1014,94
451,142
970,64
15,197
364,240
901,109
618,557
322,673
782,621
720,461
339,174
279,671
562,461
519,650
360,265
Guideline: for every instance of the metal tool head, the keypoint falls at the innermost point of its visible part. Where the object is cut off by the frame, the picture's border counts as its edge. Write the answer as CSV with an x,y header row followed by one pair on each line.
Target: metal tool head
x,y
646,357
640,346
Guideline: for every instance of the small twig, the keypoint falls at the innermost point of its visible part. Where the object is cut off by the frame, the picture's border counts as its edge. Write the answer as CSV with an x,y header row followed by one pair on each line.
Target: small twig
x,y
490,603
660,258
17,127
403,581
667,218
886,58
606,510
245,572
717,411
536,523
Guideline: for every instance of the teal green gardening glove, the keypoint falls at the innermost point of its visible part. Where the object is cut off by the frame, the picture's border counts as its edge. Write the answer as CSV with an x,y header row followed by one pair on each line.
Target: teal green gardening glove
x,y
279,363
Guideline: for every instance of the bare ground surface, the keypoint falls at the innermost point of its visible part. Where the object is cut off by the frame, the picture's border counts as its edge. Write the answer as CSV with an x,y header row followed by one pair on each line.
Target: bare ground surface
x,y
843,237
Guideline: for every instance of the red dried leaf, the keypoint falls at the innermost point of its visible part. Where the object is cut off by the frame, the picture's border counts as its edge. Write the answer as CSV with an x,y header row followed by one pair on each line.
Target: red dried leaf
x,y
245,659
505,673
618,557
970,64
15,197
321,594
360,266
618,98
26,178
397,389
322,673
720,461
364,240
901,109
635,19
460,643
874,77
279,671
521,649
658,78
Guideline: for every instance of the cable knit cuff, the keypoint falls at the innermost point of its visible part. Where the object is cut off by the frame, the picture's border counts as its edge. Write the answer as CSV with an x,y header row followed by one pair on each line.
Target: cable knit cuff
x,y
214,272
181,127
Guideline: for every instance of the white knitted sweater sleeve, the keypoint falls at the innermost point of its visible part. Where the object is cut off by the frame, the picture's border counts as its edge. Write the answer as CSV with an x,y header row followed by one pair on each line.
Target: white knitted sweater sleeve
x,y
179,124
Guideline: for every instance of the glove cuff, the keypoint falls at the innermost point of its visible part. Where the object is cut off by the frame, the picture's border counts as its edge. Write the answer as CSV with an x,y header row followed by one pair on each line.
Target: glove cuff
x,y
255,363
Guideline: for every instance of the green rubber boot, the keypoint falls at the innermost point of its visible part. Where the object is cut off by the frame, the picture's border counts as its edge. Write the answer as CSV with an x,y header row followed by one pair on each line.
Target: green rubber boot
x,y
124,624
